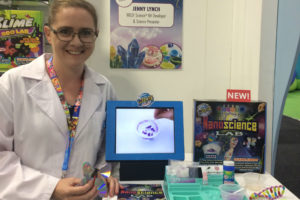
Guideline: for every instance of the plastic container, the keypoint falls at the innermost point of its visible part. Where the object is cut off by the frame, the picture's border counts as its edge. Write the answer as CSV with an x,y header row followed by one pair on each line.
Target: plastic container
x,y
147,129
228,172
254,181
188,185
186,190
232,192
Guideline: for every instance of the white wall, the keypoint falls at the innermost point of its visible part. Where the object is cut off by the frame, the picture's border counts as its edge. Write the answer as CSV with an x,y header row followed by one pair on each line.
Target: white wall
x,y
221,50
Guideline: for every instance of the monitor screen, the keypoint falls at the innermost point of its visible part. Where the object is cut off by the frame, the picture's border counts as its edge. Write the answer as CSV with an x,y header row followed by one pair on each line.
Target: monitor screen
x,y
135,133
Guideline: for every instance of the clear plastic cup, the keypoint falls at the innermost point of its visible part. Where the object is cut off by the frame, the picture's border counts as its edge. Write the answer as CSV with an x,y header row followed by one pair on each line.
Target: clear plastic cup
x,y
254,181
232,192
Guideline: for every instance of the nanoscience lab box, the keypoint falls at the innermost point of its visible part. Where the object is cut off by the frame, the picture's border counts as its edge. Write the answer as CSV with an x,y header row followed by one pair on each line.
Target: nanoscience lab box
x,y
230,131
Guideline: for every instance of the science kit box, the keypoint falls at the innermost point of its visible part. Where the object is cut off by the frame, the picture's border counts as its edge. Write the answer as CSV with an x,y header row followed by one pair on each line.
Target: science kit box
x,y
230,131
21,37
141,192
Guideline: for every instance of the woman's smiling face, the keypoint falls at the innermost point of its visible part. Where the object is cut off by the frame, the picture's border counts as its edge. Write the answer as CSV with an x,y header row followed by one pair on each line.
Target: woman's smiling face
x,y
72,53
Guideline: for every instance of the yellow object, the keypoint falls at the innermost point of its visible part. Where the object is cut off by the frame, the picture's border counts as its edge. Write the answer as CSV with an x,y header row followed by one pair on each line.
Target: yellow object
x,y
167,65
164,50
112,52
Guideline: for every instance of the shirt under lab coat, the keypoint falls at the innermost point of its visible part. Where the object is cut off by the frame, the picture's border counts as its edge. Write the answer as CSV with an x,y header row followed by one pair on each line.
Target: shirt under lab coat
x,y
34,132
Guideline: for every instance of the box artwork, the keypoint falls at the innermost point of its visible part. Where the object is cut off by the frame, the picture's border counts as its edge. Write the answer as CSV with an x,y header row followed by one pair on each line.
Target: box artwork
x,y
141,192
230,131
21,37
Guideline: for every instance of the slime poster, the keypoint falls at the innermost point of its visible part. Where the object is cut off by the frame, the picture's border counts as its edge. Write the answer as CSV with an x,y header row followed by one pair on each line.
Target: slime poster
x,y
146,34
230,131
21,38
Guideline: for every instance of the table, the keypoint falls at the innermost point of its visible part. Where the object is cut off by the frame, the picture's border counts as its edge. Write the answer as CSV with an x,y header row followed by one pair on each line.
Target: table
x,y
288,195
271,181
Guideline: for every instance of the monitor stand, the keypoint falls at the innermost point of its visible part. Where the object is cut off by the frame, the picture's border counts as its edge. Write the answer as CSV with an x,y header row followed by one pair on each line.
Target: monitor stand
x,y
142,170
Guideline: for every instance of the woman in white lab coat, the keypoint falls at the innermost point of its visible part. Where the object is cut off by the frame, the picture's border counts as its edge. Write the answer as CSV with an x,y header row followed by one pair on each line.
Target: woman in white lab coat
x,y
52,111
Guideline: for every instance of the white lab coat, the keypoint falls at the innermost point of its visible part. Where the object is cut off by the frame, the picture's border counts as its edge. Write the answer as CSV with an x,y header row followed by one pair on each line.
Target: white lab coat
x,y
34,132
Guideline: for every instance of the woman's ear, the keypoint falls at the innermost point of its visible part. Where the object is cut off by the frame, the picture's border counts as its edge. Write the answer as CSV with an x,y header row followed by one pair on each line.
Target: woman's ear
x,y
47,32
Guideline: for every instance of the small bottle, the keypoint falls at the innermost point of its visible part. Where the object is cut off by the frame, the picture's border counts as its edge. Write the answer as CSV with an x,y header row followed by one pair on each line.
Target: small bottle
x,y
228,172
204,176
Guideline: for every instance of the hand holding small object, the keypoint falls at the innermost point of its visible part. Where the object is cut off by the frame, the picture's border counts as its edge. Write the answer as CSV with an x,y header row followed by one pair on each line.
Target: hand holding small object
x,y
70,188
105,184
113,186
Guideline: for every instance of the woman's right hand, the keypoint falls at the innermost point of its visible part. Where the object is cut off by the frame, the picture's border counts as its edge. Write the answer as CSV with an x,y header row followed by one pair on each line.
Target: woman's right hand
x,y
70,188
163,113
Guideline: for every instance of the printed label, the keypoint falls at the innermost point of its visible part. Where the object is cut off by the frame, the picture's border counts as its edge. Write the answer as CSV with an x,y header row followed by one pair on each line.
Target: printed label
x,y
147,15
239,95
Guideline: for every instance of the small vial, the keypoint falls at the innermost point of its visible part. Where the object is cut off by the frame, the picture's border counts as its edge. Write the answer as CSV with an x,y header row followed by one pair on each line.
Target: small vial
x,y
204,176
228,172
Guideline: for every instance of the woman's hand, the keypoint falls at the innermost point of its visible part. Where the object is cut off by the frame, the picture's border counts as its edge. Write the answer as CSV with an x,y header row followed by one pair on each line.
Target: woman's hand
x,y
164,113
113,186
70,188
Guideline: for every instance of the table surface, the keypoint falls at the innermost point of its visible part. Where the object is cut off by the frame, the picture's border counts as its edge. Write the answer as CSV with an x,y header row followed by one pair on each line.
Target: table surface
x,y
270,180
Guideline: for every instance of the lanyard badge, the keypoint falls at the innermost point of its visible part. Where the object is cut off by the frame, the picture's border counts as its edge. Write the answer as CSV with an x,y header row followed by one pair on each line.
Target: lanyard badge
x,y
71,120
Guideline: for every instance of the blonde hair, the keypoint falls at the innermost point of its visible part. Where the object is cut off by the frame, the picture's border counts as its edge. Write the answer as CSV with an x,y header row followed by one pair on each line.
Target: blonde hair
x,y
58,4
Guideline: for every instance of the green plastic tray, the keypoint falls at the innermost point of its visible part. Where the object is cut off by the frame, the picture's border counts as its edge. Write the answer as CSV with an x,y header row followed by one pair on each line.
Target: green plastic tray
x,y
193,189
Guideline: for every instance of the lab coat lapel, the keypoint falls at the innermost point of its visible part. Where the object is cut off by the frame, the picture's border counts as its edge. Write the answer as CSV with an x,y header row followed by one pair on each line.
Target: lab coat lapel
x,y
90,100
47,99
44,95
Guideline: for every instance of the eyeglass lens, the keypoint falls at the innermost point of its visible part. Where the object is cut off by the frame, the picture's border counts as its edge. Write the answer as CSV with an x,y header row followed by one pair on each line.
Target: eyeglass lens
x,y
84,34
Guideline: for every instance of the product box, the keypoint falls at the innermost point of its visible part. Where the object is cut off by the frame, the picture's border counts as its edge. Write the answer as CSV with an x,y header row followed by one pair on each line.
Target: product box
x,y
141,192
230,131
21,37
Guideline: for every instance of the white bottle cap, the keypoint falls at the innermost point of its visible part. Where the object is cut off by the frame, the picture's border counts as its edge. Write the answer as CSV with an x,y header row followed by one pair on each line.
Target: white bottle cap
x,y
228,162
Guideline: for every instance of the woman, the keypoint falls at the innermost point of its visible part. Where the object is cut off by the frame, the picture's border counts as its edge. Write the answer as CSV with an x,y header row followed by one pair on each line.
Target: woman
x,y
52,113
232,144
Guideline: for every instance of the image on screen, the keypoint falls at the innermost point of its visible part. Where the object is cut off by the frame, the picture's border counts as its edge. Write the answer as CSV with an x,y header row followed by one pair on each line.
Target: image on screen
x,y
137,131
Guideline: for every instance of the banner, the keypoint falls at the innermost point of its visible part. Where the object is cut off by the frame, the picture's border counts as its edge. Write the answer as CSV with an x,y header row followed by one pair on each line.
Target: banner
x,y
146,34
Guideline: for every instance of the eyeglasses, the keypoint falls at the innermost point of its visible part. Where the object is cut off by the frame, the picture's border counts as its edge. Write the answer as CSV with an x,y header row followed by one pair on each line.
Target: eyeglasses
x,y
66,34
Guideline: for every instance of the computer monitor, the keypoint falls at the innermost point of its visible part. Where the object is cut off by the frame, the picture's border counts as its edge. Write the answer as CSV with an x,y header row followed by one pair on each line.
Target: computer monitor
x,y
135,137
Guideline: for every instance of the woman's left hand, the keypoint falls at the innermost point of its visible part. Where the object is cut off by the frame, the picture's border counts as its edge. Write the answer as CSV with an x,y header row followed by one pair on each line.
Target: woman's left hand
x,y
113,186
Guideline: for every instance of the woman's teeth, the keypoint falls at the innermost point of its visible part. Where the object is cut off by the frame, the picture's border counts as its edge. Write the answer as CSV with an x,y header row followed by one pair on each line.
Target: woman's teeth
x,y
74,52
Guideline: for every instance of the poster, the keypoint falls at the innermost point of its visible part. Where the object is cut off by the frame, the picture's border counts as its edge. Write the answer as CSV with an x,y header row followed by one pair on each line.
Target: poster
x,y
146,34
230,131
21,37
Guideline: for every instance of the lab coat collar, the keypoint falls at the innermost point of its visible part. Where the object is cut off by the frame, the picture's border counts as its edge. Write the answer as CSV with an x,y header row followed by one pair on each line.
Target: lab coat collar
x,y
38,71
44,94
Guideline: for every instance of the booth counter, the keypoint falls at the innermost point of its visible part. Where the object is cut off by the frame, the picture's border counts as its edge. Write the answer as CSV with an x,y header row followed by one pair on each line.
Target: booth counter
x,y
288,195
269,181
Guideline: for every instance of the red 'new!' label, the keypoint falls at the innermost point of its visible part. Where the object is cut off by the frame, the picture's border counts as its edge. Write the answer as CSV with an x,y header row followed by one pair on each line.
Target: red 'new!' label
x,y
239,95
